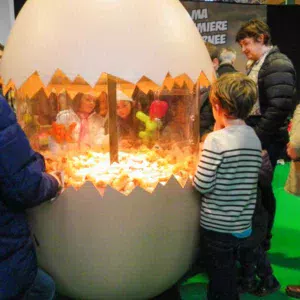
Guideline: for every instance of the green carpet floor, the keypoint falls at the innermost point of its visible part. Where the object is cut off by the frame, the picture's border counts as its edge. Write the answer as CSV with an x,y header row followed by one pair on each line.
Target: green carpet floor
x,y
285,252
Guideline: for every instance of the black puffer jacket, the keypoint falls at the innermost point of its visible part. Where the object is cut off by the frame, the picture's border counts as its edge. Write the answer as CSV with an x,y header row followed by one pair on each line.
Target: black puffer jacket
x,y
276,86
225,68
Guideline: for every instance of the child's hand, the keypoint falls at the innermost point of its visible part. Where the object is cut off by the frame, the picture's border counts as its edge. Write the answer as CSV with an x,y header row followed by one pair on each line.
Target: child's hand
x,y
59,177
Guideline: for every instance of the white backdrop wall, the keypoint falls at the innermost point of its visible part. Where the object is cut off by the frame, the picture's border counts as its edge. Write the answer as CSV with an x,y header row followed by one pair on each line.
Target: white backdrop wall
x,y
6,19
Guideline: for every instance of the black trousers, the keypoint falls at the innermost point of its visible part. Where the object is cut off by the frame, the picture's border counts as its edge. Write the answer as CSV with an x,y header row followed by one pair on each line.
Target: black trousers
x,y
275,150
221,255
254,261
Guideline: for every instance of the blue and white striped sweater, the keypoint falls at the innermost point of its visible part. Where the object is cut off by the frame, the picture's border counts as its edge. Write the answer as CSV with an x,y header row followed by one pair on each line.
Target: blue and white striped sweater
x,y
227,176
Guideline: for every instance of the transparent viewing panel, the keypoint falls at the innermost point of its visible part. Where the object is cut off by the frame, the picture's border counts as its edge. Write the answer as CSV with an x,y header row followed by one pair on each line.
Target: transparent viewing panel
x,y
117,133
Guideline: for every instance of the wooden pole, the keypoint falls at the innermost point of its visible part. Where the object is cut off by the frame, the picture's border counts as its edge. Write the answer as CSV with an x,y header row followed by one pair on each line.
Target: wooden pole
x,y
196,124
112,118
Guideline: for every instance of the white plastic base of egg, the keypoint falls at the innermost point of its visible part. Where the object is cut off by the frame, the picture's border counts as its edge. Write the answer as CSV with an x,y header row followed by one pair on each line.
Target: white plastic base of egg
x,y
117,247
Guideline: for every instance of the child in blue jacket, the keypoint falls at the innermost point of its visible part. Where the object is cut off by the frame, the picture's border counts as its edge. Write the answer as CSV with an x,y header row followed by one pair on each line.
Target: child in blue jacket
x,y
23,184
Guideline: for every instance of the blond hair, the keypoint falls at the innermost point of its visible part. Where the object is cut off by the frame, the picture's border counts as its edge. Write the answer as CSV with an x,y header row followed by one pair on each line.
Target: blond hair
x,y
235,93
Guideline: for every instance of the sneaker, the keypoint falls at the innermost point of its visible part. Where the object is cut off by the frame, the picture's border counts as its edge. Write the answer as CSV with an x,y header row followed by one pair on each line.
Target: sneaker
x,y
293,291
266,287
280,162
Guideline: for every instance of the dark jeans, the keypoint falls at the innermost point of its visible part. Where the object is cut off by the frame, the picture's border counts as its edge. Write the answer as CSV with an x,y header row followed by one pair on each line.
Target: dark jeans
x,y
268,198
254,261
221,254
269,203
43,287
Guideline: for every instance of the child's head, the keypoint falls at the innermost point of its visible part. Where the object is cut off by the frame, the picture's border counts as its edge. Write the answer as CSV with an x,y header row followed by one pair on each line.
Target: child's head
x,y
124,105
84,103
62,101
232,96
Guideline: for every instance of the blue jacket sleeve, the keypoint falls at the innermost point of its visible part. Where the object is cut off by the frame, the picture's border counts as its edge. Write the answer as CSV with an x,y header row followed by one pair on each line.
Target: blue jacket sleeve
x,y
23,181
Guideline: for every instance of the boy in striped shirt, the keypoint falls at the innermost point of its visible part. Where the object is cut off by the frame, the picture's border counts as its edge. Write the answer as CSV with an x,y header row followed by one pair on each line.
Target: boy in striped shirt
x,y
226,177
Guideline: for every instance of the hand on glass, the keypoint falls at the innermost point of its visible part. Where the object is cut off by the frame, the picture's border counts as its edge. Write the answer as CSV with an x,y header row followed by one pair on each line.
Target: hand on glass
x,y
59,177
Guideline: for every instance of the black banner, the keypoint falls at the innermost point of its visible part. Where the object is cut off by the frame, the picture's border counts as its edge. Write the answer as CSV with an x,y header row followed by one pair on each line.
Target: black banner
x,y
218,23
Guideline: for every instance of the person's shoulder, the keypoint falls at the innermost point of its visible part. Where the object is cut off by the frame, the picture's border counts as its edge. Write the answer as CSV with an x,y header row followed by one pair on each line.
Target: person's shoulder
x,y
215,138
252,137
97,119
226,68
229,135
278,60
239,136
219,134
